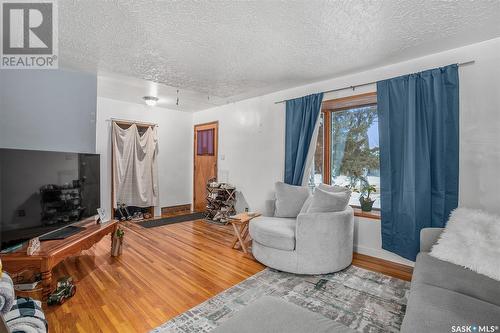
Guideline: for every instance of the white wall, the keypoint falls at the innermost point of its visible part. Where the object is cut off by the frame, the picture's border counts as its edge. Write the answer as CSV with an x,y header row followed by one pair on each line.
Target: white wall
x,y
251,142
175,148
47,110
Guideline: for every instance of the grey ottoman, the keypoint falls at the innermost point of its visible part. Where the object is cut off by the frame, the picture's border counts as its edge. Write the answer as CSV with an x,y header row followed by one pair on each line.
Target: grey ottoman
x,y
273,315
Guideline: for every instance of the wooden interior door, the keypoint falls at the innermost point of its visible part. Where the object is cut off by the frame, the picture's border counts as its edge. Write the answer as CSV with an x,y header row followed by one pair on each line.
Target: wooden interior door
x,y
205,161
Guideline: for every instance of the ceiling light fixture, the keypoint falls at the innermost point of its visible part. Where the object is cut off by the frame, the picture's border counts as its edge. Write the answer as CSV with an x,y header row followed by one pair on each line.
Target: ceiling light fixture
x,y
150,100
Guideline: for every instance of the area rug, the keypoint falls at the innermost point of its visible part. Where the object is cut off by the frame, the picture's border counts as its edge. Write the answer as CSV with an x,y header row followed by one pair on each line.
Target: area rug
x,y
171,220
363,300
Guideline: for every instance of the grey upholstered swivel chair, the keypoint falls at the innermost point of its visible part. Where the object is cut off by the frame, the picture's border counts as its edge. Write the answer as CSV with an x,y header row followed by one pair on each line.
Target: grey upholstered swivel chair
x,y
312,243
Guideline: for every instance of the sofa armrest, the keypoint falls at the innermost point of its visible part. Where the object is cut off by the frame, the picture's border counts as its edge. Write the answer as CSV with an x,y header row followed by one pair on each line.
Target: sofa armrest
x,y
428,237
322,233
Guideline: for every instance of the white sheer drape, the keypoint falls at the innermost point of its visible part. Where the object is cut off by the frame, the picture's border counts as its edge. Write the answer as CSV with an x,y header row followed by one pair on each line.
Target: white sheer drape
x,y
135,171
310,153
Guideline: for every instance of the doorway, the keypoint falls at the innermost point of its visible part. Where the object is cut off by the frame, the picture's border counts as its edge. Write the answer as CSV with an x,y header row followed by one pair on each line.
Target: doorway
x,y
205,161
141,129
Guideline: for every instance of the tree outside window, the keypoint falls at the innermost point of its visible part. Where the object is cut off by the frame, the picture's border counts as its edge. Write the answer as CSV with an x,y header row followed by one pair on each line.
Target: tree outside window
x,y
355,151
347,150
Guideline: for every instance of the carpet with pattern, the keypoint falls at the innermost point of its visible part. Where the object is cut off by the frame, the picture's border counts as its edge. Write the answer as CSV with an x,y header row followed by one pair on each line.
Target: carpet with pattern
x,y
363,300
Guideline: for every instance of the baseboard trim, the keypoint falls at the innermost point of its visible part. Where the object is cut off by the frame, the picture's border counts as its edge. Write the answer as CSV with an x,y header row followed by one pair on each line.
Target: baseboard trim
x,y
176,209
382,254
391,268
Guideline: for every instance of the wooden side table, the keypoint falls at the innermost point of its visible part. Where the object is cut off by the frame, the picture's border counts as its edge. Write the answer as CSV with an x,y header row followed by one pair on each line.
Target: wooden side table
x,y
240,224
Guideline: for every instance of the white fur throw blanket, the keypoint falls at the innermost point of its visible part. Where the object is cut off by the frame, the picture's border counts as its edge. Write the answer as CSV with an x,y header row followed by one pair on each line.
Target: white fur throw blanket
x,y
471,239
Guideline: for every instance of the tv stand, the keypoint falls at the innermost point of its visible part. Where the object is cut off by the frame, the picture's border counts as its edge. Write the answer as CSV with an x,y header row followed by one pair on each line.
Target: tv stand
x,y
52,252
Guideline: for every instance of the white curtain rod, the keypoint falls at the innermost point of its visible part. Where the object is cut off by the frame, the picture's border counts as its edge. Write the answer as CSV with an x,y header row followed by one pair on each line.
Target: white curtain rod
x,y
128,121
367,84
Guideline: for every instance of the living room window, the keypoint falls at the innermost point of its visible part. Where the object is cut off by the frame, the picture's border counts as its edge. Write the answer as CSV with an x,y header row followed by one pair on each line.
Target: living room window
x,y
347,150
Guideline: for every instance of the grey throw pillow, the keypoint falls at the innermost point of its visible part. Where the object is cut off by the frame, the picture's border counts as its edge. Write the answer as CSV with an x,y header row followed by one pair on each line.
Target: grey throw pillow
x,y
323,201
333,188
289,199
305,206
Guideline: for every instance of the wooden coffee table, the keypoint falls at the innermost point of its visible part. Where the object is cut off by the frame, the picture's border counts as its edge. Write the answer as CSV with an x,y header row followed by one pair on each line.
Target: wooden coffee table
x,y
52,252
240,224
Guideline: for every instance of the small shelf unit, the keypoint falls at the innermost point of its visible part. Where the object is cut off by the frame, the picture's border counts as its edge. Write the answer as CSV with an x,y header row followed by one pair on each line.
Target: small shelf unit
x,y
221,200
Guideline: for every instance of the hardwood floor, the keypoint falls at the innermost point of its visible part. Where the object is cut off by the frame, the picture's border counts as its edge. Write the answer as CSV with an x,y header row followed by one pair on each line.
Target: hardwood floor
x,y
163,272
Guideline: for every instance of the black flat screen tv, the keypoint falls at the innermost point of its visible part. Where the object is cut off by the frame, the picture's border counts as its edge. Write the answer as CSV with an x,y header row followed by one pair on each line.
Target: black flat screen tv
x,y
42,191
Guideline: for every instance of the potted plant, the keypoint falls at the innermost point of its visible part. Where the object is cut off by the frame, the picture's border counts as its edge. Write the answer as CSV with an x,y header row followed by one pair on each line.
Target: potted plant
x,y
365,200
117,242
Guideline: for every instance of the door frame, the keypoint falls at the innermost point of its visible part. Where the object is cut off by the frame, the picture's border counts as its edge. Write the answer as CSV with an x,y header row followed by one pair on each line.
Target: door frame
x,y
216,153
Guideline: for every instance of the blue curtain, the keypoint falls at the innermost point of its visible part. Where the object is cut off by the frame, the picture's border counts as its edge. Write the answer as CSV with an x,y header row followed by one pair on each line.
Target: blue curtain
x,y
301,116
418,128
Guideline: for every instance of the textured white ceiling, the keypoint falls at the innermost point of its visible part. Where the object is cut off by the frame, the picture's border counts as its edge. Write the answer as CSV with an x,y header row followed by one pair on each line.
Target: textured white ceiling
x,y
129,89
237,49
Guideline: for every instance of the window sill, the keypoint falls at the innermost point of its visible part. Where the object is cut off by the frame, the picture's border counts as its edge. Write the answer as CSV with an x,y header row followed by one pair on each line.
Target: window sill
x,y
374,214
